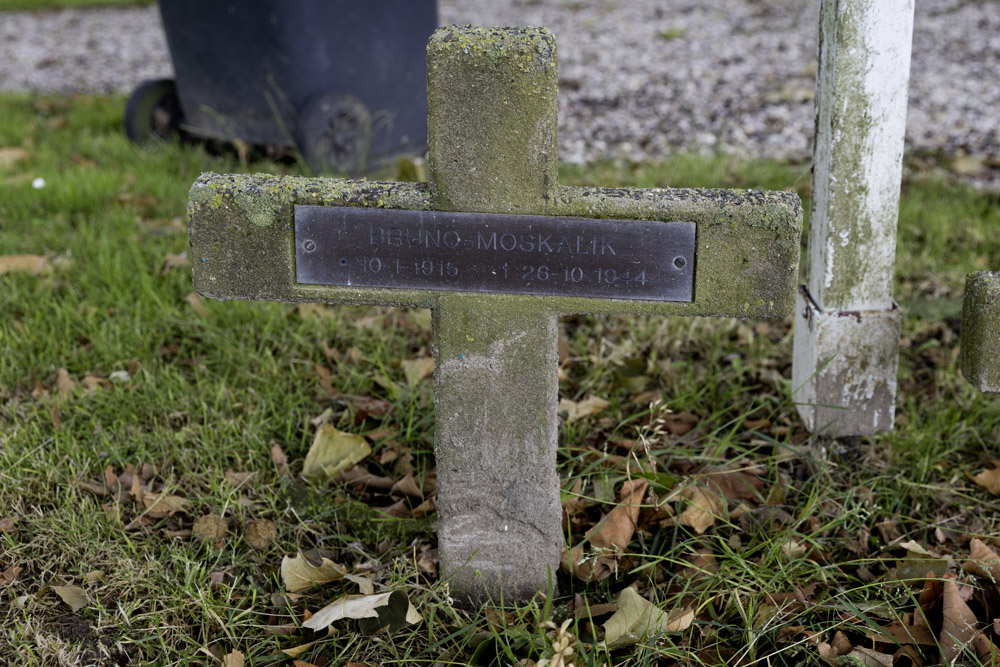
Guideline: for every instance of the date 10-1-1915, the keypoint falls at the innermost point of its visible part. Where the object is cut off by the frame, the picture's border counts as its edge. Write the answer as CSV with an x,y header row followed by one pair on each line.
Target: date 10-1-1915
x,y
528,273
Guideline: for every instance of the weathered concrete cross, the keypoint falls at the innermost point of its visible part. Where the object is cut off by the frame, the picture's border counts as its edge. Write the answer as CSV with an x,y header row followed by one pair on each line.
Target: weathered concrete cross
x,y
499,251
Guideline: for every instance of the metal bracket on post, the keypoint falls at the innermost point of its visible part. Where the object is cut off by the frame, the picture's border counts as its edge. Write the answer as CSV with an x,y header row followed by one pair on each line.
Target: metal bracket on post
x,y
844,371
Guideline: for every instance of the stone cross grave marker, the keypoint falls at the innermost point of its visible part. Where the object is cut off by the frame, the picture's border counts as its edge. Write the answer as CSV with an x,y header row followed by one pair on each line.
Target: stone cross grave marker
x,y
498,250
981,331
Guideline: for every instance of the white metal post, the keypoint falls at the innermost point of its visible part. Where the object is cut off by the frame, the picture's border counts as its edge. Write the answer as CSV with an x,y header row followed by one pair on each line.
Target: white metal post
x,y
847,325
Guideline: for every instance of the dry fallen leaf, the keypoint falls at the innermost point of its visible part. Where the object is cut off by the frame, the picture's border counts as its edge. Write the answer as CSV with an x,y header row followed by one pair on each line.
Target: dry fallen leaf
x,y
159,505
91,383
64,383
574,503
898,633
365,584
913,547
97,489
72,596
333,451
959,625
970,165
195,301
279,458
366,406
299,573
609,538
32,264
918,562
679,423
10,156
982,560
637,619
359,475
616,530
827,652
589,406
870,657
234,659
794,549
416,370
739,484
841,644
10,575
296,651
239,480
392,611
986,650
703,508
989,478
172,262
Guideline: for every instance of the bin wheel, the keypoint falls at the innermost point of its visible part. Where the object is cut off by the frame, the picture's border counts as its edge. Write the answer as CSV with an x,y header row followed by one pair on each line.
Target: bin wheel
x,y
334,133
154,111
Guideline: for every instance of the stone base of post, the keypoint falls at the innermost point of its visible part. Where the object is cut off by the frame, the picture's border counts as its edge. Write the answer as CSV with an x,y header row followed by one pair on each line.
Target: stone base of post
x,y
981,331
844,368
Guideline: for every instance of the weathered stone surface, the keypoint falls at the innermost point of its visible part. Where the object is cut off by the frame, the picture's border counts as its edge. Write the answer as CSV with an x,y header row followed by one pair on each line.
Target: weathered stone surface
x,y
495,399
491,119
844,368
864,68
981,331
242,245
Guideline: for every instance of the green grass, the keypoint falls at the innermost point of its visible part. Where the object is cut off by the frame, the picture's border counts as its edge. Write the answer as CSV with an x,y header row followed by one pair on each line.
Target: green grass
x,y
36,5
205,388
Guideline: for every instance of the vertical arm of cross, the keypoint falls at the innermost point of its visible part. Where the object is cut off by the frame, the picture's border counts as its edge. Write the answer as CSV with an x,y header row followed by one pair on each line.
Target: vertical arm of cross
x,y
492,112
847,326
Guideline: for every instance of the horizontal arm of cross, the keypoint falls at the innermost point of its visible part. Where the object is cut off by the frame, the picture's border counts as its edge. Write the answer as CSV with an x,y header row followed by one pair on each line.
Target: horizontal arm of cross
x,y
747,242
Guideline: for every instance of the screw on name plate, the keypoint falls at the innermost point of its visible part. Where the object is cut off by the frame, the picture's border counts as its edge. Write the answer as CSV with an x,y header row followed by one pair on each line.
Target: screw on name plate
x,y
309,245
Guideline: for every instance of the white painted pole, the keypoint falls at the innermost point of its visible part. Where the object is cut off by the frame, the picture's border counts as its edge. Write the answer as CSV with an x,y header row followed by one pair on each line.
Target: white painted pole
x,y
847,325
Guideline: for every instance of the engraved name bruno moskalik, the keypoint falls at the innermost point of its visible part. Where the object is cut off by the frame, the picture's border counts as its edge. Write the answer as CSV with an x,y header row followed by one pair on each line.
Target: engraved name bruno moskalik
x,y
628,259
487,240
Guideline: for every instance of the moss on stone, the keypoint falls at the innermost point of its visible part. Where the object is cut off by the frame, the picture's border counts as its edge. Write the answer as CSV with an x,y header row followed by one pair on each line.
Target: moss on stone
x,y
856,166
492,118
981,331
747,243
242,229
498,490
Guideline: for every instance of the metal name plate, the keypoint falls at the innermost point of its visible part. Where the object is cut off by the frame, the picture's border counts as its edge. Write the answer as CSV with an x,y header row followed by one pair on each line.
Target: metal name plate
x,y
478,252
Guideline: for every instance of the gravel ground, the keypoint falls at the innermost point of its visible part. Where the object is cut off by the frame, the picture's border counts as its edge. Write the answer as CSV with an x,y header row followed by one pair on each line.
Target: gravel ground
x,y
639,79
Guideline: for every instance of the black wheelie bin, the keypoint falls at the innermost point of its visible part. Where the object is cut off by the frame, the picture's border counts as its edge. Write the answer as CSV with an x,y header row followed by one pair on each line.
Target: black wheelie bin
x,y
342,81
